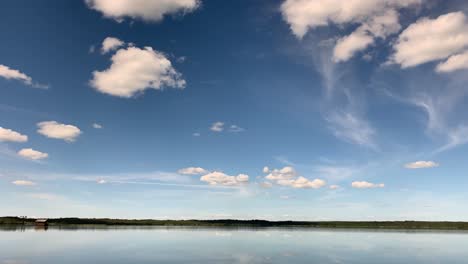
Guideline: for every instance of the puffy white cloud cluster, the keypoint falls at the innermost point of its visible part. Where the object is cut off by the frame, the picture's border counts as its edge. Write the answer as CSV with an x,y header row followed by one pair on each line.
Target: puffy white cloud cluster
x,y
134,70
217,127
366,185
376,19
426,40
288,176
29,153
53,129
192,171
220,178
11,135
110,44
147,10
221,126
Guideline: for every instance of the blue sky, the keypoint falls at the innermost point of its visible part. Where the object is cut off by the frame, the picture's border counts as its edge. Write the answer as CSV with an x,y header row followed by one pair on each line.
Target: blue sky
x,y
289,109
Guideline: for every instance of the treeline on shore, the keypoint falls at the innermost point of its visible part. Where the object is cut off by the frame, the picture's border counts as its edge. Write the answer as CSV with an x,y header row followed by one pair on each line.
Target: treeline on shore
x,y
241,223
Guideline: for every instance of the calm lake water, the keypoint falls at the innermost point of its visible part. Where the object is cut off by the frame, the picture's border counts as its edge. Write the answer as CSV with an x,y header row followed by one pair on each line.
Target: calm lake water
x,y
191,245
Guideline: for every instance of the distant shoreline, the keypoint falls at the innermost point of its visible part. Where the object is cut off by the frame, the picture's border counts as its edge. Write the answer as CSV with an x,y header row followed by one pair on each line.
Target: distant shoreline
x,y
403,225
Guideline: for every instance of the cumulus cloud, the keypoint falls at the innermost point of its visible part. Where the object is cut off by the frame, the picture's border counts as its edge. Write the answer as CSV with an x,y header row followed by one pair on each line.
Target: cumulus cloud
x,y
192,171
454,63
217,127
347,46
146,10
97,126
376,19
12,136
53,129
334,187
220,178
421,164
288,176
302,182
379,26
285,173
32,154
134,70
236,128
366,185
435,39
12,74
101,181
110,44
23,183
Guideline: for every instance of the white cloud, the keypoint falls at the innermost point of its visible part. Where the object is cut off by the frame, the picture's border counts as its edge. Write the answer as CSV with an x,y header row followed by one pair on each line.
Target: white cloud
x,y
220,178
454,63
285,173
376,19
266,169
303,15
235,128
421,164
53,129
217,127
352,129
334,187
12,74
456,137
192,171
379,26
302,182
134,70
110,44
32,154
366,185
196,134
97,126
288,176
266,185
347,46
435,39
101,181
23,183
147,10
12,136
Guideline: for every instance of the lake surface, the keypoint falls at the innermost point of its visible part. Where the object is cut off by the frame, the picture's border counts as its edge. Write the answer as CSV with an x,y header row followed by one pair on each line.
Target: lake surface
x,y
194,245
